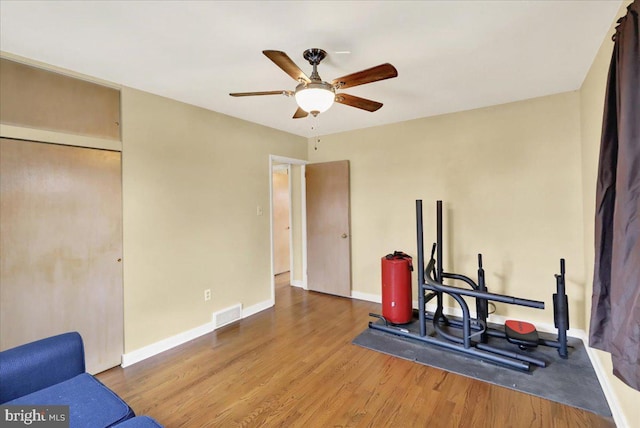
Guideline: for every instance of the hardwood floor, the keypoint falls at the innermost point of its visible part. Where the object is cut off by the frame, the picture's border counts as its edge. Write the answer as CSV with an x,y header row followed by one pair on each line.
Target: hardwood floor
x,y
294,366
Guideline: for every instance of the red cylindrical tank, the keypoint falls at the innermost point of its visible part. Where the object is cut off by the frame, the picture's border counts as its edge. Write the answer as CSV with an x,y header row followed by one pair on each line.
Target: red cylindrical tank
x,y
396,288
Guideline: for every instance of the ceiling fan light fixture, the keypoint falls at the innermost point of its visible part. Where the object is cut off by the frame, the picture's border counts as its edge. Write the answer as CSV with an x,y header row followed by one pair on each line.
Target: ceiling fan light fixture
x,y
315,97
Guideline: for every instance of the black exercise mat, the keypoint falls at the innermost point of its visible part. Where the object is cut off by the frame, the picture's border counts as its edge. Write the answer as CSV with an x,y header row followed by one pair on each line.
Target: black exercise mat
x,y
572,382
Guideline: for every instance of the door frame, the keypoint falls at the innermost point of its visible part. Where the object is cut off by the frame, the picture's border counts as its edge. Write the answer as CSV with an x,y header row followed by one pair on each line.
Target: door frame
x,y
273,160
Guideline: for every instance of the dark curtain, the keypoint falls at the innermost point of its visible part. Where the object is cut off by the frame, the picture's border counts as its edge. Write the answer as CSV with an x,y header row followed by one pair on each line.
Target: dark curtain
x,y
615,311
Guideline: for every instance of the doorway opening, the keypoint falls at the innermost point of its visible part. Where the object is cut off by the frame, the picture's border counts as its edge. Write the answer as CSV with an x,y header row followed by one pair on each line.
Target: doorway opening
x,y
282,234
288,222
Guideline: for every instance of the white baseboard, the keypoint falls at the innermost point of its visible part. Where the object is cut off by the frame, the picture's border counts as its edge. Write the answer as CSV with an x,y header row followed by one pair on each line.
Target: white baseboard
x,y
165,344
258,307
156,348
605,382
297,283
359,295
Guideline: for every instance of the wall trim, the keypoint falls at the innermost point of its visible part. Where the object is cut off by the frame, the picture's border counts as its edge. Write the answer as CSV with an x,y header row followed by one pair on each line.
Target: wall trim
x,y
369,297
156,348
258,307
297,283
45,136
163,345
618,415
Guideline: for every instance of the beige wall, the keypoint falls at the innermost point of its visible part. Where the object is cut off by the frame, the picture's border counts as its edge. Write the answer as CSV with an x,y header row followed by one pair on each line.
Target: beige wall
x,y
591,110
192,180
509,177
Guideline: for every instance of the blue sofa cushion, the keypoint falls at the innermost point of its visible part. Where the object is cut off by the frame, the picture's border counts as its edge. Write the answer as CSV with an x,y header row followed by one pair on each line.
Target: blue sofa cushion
x,y
91,404
140,422
36,365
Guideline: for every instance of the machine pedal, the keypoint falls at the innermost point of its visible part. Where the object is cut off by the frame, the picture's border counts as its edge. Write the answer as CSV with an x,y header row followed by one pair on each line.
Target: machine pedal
x,y
521,333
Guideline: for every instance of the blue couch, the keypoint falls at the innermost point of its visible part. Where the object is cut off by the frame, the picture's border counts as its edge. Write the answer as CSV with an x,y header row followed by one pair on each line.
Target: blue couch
x,y
51,371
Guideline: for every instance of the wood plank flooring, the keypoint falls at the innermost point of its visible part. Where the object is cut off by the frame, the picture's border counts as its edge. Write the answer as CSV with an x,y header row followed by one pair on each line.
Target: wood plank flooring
x,y
294,366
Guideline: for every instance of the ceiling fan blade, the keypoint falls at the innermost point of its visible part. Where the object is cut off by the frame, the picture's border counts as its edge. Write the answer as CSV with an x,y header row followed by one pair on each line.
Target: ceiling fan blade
x,y
300,114
357,102
250,94
373,74
283,61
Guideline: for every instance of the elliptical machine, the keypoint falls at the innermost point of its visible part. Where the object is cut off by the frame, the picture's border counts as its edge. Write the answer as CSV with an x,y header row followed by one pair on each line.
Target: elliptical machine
x,y
474,339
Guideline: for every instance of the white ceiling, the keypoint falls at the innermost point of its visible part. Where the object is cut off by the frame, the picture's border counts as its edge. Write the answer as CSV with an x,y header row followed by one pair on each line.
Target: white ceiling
x,y
450,55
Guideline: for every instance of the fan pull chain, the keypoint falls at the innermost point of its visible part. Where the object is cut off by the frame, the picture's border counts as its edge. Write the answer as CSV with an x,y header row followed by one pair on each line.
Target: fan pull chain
x,y
316,133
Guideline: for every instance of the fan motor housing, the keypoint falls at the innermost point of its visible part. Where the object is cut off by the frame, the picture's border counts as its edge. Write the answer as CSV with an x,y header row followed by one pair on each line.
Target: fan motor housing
x,y
314,55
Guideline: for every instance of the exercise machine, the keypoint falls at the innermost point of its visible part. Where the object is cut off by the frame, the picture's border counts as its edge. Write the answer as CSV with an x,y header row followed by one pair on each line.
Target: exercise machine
x,y
470,335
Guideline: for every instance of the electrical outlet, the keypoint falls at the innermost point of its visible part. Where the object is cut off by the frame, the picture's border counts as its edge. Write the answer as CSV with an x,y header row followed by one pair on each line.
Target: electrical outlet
x,y
207,294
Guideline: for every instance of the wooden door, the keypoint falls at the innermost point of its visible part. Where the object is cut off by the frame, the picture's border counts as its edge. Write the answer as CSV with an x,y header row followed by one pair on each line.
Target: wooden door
x,y
328,228
61,247
281,227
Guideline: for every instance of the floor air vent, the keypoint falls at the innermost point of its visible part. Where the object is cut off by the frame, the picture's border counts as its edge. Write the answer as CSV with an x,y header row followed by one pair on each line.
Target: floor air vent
x,y
227,315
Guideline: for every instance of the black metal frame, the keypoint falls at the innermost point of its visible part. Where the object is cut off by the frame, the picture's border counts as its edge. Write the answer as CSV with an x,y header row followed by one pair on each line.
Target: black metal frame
x,y
430,285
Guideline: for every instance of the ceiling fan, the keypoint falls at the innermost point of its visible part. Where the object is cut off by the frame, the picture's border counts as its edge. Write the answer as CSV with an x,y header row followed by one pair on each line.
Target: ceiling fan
x,y
313,95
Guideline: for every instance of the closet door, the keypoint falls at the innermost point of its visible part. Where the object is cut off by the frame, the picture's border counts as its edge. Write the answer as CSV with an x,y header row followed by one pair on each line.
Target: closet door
x,y
61,247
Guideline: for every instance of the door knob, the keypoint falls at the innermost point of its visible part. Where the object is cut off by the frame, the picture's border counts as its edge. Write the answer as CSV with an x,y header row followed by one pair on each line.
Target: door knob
x,y
344,235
